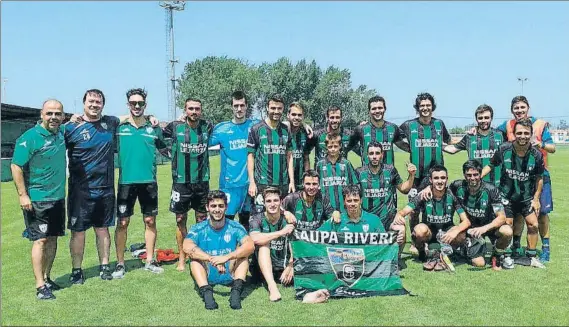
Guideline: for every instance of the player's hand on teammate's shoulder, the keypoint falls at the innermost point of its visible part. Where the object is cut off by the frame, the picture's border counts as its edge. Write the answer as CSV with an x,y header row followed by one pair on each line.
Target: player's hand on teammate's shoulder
x,y
289,228
289,217
426,194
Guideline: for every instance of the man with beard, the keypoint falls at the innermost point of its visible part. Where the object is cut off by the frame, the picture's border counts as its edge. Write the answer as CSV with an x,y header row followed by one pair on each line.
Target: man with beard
x,y
378,182
354,219
137,143
438,213
521,185
308,209
425,135
219,249
482,145
190,168
335,173
269,162
38,169
377,130
269,231
299,138
542,140
318,142
484,207
232,136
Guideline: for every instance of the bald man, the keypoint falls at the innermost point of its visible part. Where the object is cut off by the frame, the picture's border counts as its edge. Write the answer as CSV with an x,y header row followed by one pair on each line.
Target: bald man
x,y
39,169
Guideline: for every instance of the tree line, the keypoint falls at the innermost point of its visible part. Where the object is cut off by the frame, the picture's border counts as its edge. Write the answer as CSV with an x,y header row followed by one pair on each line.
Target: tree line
x,y
213,79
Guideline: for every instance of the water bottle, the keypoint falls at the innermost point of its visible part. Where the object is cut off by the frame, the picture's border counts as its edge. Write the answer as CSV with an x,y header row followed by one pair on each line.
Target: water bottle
x,y
445,247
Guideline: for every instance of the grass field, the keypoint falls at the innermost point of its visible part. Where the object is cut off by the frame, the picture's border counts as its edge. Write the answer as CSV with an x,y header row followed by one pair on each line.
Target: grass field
x,y
523,296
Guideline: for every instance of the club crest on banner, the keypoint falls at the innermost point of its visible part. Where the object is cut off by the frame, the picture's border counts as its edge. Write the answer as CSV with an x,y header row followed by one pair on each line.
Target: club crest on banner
x,y
348,264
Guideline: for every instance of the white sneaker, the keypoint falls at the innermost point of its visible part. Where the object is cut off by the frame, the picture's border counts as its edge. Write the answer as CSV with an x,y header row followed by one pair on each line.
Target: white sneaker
x,y
152,267
508,263
536,263
119,271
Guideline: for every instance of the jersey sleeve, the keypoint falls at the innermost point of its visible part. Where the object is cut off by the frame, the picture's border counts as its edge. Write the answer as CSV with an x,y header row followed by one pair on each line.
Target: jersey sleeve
x,y
496,159
456,204
355,138
546,135
288,203
160,142
539,163
461,145
496,199
328,209
168,131
446,135
193,235
395,177
454,186
289,141
239,233
405,129
215,138
22,151
253,140
352,176
255,223
416,203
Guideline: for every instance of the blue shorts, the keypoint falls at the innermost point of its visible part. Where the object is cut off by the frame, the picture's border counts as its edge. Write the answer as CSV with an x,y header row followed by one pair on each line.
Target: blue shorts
x,y
215,278
546,198
238,200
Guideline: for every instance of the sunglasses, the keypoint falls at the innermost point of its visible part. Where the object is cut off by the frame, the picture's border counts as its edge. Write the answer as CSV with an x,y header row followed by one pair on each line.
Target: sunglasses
x,y
140,103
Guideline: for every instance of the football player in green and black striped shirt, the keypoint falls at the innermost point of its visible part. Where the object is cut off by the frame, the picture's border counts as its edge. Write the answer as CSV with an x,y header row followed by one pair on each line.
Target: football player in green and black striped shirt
x,y
379,183
482,145
269,230
521,184
318,141
438,213
377,130
335,173
299,138
308,208
269,162
190,168
425,135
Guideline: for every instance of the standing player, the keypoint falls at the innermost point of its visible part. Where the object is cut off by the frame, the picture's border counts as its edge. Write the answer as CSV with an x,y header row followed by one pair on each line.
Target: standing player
x,y
425,135
521,184
308,209
438,213
299,138
91,201
269,162
543,141
269,231
335,173
377,130
137,143
481,145
219,249
318,142
38,169
190,169
232,136
378,183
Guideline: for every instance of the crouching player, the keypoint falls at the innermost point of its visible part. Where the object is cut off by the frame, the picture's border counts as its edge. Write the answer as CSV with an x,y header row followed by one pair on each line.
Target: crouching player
x,y
269,230
437,214
219,249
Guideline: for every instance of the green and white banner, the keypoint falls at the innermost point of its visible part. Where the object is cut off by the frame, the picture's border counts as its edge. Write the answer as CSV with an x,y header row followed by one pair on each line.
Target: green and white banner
x,y
346,264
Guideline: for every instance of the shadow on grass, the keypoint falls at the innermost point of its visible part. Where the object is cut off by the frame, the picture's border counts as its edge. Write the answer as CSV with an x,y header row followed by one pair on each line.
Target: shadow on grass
x,y
93,272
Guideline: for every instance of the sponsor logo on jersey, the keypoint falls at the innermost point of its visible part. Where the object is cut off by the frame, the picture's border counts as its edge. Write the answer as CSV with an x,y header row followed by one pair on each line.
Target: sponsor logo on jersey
x,y
227,237
122,208
104,125
149,129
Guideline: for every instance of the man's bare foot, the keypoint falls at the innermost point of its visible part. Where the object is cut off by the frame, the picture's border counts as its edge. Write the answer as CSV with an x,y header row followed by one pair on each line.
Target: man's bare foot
x,y
180,266
274,294
319,296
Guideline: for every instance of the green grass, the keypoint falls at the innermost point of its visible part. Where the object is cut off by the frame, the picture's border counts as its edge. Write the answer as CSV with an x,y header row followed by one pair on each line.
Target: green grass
x,y
523,296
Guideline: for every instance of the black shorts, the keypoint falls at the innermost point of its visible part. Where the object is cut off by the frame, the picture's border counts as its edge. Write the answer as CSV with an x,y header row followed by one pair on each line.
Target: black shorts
x,y
147,194
258,203
87,209
388,220
514,208
47,218
476,247
186,196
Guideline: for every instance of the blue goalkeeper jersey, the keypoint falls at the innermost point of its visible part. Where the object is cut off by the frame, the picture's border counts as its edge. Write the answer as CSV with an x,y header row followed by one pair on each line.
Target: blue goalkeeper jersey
x,y
232,139
217,242
91,148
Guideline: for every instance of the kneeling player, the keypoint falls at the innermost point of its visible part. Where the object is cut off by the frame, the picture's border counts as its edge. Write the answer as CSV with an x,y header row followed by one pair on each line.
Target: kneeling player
x,y
269,231
485,210
437,214
308,208
219,249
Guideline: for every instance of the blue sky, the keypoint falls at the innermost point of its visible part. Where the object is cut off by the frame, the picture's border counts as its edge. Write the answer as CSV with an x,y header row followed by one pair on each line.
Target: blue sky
x,y
464,53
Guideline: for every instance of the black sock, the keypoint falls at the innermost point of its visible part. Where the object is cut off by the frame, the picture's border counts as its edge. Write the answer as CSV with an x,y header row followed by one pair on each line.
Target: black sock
x,y
235,295
517,240
207,294
244,220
